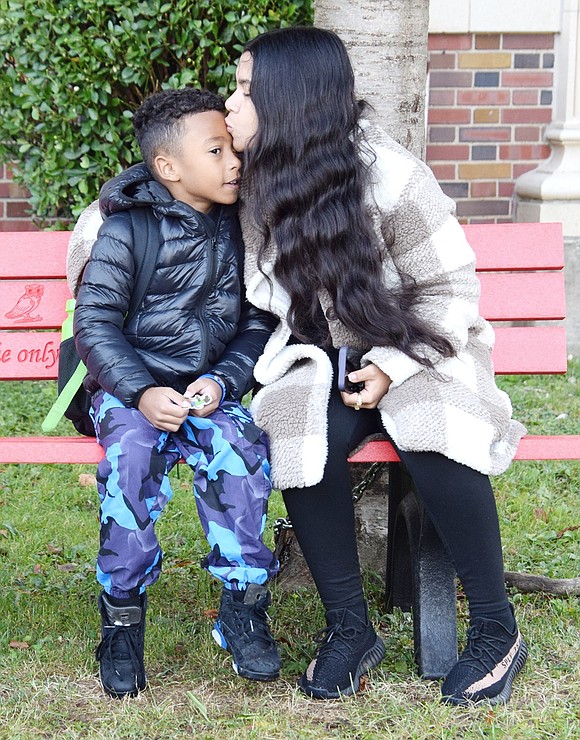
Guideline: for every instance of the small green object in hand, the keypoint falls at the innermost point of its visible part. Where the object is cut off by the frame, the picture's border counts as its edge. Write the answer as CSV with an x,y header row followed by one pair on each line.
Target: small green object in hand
x,y
200,401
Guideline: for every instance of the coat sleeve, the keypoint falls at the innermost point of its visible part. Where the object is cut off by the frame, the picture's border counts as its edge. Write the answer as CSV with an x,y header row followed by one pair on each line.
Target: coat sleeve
x,y
102,304
425,243
236,364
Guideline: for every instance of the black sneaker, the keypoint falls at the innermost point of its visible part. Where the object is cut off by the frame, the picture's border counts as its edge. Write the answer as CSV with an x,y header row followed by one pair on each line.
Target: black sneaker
x,y
349,648
120,652
242,629
487,667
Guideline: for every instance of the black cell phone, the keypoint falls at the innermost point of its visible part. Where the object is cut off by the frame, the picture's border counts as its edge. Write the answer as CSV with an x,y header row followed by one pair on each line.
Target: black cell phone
x,y
348,363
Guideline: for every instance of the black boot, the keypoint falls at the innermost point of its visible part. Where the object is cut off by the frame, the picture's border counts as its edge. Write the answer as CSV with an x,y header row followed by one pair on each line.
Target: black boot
x,y
349,647
120,652
242,629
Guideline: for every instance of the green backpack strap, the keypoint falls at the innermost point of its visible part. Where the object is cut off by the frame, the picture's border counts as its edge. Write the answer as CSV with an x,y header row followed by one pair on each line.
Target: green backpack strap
x,y
64,398
145,249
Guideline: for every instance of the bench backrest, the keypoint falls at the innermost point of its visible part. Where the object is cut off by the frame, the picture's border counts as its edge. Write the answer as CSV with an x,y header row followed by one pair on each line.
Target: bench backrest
x,y
520,267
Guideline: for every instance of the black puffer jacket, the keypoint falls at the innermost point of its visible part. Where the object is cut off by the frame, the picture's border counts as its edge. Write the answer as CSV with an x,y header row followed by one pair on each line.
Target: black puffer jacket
x,y
193,318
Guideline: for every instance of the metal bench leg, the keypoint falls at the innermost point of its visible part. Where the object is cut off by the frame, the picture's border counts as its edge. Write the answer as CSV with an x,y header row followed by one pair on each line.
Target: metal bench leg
x,y
420,574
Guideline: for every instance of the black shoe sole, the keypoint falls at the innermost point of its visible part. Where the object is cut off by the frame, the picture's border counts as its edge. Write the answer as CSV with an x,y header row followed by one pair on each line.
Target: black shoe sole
x,y
503,696
121,695
370,659
252,675
132,693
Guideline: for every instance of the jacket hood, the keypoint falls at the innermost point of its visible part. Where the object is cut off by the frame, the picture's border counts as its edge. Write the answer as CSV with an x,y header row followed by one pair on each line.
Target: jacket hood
x,y
136,187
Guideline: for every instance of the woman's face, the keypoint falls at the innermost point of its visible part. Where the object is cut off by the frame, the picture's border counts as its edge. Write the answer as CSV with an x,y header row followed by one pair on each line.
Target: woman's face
x,y
242,120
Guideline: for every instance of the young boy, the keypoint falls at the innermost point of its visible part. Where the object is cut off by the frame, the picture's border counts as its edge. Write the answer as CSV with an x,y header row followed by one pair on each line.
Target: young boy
x,y
168,385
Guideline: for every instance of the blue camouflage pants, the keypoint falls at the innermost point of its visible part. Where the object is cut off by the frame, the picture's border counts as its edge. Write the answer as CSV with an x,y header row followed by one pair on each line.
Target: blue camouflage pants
x,y
229,456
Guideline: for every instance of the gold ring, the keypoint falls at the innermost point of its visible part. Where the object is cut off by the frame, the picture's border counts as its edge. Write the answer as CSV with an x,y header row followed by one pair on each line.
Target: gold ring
x,y
358,403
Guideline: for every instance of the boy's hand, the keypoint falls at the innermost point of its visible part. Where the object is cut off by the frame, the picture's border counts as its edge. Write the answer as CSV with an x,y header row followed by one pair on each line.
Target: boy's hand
x,y
198,388
165,408
376,385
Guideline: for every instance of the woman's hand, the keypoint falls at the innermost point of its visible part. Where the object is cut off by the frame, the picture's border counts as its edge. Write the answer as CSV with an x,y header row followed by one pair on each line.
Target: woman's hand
x,y
165,408
376,385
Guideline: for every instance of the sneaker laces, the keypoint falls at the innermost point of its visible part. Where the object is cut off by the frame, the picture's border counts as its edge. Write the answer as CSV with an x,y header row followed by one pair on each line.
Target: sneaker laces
x,y
120,643
251,622
482,649
336,640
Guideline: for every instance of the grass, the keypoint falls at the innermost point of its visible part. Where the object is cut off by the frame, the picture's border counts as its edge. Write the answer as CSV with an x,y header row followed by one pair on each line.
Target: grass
x,y
49,624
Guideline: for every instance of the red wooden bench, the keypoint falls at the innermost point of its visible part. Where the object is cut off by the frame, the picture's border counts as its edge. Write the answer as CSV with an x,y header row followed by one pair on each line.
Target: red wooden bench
x,y
521,271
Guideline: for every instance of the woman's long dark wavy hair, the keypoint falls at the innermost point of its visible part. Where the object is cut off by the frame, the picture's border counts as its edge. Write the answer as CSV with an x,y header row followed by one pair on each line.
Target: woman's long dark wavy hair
x,y
307,185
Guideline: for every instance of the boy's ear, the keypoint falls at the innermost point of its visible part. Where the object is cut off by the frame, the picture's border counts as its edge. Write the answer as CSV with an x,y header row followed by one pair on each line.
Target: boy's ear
x,y
165,168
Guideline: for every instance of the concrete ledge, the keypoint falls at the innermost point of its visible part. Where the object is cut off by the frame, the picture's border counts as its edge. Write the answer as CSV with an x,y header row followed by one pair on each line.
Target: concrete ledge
x,y
494,16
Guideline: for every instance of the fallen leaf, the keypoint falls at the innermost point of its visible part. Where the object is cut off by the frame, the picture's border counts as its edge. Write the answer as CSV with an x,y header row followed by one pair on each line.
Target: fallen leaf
x,y
87,479
67,567
18,645
183,563
210,613
541,514
53,549
37,569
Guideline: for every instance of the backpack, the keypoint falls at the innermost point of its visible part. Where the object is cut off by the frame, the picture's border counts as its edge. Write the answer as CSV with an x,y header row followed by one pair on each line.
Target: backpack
x,y
73,401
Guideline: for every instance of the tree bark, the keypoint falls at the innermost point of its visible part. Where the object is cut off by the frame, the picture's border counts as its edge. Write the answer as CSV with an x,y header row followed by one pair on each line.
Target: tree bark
x,y
387,44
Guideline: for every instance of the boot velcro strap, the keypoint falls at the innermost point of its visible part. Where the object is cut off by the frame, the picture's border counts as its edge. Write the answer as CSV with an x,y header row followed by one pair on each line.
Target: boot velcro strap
x,y
122,616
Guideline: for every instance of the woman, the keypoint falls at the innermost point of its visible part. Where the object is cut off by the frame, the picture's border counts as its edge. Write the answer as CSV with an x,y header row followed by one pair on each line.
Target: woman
x,y
350,241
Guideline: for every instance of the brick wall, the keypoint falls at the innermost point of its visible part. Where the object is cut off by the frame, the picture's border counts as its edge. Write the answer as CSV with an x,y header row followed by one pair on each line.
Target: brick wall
x,y
490,99
13,204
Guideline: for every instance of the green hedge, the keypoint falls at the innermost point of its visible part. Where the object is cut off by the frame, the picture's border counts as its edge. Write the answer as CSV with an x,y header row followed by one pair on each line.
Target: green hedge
x,y
74,71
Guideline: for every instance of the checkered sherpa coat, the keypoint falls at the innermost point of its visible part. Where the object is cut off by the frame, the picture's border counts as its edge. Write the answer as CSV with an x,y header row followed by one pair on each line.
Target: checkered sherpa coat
x,y
459,411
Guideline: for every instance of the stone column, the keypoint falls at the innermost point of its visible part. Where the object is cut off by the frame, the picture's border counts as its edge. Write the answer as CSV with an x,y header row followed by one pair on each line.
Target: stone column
x,y
551,192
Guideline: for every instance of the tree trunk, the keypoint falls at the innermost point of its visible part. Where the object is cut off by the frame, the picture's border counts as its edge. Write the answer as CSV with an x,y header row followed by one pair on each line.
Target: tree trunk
x,y
387,43
371,523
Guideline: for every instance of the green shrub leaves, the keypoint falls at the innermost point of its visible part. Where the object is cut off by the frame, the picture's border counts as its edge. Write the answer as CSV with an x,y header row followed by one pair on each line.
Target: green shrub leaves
x,y
74,71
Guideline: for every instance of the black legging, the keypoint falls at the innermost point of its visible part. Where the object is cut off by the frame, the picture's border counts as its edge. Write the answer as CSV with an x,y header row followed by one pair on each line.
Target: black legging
x,y
459,501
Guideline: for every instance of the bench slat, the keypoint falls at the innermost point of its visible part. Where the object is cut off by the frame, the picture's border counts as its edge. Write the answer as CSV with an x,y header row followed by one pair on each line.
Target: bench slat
x,y
86,450
533,246
517,351
29,355
527,296
33,254
524,350
558,447
40,304
49,450
513,297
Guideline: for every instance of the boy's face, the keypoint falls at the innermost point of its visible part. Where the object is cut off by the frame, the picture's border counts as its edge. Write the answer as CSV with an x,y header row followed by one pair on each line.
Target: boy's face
x,y
206,169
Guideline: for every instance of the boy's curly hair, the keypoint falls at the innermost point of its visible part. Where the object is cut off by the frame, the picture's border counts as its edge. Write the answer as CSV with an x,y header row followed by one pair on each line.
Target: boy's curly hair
x,y
158,122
